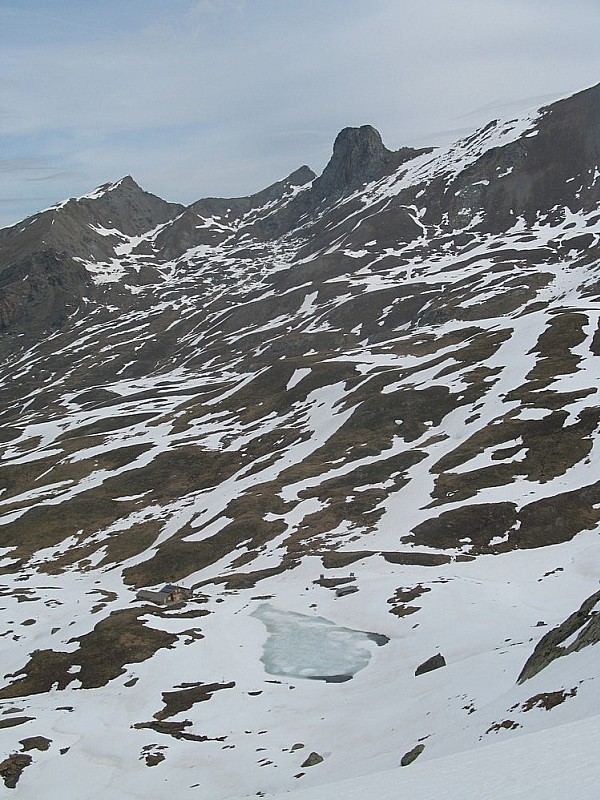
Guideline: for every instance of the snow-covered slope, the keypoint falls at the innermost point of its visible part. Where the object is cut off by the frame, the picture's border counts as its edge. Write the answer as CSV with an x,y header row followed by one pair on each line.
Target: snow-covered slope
x,y
384,378
548,764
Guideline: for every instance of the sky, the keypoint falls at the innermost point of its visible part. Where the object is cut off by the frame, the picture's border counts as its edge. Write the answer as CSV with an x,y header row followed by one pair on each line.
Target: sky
x,y
199,98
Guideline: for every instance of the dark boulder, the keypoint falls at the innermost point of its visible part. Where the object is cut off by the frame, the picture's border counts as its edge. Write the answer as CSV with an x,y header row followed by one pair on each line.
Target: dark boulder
x,y
312,760
435,662
413,754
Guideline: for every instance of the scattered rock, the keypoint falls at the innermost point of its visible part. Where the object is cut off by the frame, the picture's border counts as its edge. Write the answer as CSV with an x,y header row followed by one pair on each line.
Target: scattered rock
x,y
152,759
403,597
152,754
548,700
507,724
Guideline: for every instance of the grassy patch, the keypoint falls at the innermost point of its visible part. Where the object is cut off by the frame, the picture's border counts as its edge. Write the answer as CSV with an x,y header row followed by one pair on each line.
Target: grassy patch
x,y
549,450
175,559
107,424
558,519
12,722
478,523
120,639
335,560
411,558
138,538
170,475
176,730
248,580
187,695
12,768
555,347
35,743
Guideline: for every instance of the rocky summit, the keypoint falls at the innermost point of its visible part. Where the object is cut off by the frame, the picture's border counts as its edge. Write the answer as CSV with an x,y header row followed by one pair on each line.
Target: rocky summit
x,y
263,458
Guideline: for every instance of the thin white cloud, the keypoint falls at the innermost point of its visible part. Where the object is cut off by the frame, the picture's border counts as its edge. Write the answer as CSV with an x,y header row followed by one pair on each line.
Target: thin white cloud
x,y
226,96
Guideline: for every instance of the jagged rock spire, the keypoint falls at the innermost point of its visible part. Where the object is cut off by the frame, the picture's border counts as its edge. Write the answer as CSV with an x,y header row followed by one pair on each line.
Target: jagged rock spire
x,y
358,156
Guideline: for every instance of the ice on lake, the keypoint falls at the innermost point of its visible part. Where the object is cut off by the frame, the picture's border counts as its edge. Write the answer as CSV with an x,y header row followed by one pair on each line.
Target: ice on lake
x,y
300,646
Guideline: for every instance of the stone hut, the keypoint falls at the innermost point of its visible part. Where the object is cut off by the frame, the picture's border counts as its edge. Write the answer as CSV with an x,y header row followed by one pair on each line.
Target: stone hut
x,y
170,593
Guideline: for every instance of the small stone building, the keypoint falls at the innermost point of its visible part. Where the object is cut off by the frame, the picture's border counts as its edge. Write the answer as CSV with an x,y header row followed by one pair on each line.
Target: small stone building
x,y
170,593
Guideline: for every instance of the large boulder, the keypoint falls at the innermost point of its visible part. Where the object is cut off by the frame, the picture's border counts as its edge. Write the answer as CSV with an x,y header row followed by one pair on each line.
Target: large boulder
x,y
435,662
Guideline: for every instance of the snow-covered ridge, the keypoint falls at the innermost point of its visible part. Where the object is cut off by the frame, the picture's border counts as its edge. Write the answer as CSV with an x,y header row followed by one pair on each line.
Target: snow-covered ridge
x,y
95,194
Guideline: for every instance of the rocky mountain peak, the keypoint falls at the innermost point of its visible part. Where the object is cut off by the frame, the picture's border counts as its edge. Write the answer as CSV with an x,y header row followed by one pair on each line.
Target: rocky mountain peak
x,y
359,155
365,142
301,176
129,208
127,182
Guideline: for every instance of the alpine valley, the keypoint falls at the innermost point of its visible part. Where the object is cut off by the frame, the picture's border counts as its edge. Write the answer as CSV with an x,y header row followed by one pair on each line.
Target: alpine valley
x,y
357,416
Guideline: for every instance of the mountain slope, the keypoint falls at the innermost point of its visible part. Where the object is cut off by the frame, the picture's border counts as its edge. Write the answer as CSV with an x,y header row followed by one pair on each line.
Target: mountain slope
x,y
383,378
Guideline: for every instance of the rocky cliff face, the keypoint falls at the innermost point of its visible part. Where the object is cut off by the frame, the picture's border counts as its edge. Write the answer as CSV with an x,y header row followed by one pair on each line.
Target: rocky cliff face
x,y
359,157
581,629
389,370
39,292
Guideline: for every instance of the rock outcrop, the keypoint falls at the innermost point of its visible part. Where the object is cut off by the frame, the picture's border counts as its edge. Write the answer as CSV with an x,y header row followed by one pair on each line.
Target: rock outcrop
x,y
435,662
39,292
582,628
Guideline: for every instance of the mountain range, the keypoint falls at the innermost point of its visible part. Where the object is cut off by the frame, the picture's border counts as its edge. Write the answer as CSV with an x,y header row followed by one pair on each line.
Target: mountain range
x,y
355,414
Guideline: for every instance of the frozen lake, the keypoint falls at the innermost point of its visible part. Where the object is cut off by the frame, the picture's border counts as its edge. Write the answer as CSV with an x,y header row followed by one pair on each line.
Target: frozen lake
x,y
300,646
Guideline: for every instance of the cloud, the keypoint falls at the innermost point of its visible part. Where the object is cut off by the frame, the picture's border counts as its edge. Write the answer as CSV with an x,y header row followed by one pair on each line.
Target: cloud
x,y
229,65
225,96
22,164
